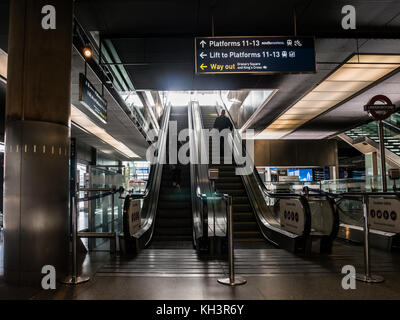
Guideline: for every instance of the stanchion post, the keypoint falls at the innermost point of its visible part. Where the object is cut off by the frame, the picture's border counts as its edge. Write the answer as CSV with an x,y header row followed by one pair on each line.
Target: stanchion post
x,y
232,280
367,277
74,278
382,153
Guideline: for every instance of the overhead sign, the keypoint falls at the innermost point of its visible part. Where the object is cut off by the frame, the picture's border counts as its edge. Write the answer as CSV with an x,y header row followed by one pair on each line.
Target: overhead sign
x,y
380,111
92,99
292,215
384,214
215,55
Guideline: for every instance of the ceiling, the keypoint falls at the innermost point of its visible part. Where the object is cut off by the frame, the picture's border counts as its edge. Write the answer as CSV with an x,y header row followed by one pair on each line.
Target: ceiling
x,y
155,39
118,125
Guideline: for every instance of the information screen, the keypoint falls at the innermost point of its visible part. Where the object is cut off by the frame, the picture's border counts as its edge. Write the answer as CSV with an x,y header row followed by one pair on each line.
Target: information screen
x,y
254,55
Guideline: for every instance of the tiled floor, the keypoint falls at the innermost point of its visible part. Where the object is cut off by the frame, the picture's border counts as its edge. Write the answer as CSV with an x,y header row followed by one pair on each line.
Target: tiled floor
x,y
180,274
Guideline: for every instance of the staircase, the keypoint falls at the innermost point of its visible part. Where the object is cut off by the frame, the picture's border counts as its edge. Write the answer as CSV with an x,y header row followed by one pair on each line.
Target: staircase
x,y
244,223
174,211
366,139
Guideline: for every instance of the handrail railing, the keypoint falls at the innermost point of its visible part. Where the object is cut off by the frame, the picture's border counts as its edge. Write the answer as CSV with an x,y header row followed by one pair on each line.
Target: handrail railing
x,y
258,204
150,196
200,184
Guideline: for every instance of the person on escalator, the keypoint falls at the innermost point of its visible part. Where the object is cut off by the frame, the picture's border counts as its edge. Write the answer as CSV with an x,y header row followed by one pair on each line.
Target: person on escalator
x,y
222,122
176,176
176,172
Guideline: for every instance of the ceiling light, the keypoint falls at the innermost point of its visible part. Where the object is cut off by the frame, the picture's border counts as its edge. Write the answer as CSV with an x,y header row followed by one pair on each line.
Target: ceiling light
x,y
82,120
351,77
87,52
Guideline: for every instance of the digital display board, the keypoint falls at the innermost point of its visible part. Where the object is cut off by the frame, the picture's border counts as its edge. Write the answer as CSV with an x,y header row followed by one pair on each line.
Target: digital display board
x,y
214,55
303,174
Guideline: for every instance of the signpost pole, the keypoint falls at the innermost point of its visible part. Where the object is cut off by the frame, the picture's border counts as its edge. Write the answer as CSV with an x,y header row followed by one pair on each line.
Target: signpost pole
x,y
383,157
367,277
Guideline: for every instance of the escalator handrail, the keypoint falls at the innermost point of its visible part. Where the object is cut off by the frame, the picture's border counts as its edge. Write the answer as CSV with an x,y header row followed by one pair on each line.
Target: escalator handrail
x,y
150,196
302,198
200,181
261,218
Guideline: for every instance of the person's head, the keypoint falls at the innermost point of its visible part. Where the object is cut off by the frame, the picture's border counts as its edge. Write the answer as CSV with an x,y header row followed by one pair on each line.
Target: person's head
x,y
223,113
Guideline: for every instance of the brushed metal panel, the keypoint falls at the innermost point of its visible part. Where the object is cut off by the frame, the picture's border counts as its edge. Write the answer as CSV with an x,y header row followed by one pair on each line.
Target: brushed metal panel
x,y
36,200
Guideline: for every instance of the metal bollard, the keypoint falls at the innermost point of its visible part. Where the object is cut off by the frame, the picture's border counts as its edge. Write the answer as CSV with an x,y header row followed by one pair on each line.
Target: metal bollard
x,y
232,280
74,278
367,277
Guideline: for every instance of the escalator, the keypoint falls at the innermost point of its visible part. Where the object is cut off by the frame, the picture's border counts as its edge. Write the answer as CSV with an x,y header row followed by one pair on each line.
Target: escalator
x,y
245,225
171,217
197,213
174,214
256,211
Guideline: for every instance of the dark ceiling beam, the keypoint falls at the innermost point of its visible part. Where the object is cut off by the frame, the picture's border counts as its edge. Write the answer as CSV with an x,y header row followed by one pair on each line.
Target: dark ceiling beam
x,y
393,33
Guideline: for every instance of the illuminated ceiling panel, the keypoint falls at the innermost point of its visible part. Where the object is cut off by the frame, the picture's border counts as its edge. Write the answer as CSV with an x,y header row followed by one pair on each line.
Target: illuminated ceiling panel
x,y
79,118
354,75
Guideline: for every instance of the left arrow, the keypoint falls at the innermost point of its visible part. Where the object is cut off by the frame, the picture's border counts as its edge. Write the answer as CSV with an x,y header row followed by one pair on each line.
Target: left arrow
x,y
202,67
202,55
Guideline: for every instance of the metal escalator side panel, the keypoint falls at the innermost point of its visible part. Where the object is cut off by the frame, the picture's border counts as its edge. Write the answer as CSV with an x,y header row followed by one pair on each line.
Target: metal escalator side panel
x,y
149,209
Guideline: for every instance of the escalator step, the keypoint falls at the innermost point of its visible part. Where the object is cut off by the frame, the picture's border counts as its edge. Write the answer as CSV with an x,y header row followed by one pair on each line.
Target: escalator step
x,y
172,238
171,214
229,179
241,207
238,199
174,231
171,223
229,185
249,240
245,226
243,216
234,192
247,235
174,205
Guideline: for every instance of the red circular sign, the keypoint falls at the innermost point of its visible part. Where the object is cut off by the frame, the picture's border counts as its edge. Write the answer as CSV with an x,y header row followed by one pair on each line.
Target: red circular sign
x,y
384,99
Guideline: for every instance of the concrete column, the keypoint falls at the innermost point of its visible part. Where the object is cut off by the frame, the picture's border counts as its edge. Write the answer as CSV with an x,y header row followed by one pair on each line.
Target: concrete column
x,y
334,172
36,188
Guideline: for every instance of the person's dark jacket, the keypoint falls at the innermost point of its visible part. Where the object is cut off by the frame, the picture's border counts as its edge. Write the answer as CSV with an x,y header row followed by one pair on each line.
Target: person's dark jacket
x,y
222,122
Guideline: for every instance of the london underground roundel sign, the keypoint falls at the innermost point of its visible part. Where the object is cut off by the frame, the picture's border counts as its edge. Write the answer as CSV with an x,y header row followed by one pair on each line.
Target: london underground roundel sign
x,y
380,107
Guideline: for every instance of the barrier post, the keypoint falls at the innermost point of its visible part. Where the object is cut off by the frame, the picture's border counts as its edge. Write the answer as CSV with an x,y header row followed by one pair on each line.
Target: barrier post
x,y
74,278
232,280
367,277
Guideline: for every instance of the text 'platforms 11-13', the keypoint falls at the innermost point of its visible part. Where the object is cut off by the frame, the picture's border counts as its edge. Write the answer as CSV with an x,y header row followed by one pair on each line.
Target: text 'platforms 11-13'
x,y
255,55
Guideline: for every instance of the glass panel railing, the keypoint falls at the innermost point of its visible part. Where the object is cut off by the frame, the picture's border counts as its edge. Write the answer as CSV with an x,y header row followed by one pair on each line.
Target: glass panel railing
x,y
136,107
100,210
391,132
366,184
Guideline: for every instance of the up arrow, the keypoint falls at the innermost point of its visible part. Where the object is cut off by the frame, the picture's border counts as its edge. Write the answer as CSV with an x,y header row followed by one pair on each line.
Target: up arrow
x,y
202,55
202,67
203,43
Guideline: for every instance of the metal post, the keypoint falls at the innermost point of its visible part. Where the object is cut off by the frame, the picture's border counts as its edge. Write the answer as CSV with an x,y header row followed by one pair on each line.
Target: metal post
x,y
232,280
74,278
383,157
367,277
112,212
